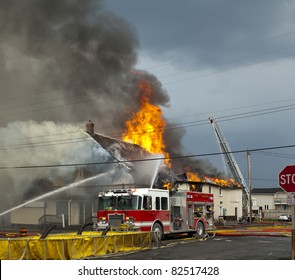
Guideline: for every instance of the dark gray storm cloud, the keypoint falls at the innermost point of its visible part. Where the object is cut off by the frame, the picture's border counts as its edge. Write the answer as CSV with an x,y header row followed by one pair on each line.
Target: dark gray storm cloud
x,y
177,37
212,33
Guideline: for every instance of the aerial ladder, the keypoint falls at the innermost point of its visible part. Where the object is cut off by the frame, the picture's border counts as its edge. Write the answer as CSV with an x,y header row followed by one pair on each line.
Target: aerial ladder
x,y
232,164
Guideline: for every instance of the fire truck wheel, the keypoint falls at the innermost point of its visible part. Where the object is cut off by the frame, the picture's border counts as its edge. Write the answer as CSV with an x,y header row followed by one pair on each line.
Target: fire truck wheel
x,y
158,232
200,231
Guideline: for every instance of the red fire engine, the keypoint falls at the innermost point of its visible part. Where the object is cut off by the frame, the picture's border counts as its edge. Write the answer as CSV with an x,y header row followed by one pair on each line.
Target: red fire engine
x,y
162,211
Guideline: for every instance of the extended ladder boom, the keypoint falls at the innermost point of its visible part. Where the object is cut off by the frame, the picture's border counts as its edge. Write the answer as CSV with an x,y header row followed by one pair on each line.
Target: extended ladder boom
x,y
234,168
225,149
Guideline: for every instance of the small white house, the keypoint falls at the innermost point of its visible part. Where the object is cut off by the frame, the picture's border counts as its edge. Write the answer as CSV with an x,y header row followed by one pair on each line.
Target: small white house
x,y
269,203
227,200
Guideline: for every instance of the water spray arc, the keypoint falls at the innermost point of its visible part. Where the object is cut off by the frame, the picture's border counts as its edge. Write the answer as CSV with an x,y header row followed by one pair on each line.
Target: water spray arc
x,y
70,186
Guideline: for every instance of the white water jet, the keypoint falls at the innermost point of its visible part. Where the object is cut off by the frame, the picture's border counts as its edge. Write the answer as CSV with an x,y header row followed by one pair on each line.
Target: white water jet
x,y
156,171
72,185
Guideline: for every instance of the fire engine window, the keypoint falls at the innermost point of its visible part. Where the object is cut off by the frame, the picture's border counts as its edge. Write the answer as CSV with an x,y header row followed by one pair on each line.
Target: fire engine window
x,y
164,203
139,202
198,210
158,206
106,202
147,202
124,203
127,202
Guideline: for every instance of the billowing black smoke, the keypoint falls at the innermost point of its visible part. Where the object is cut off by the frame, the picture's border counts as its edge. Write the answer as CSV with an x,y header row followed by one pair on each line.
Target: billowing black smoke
x,y
67,61
64,60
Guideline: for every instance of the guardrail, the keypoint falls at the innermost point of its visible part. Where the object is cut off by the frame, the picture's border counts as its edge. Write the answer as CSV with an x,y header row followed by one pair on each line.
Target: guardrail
x,y
50,219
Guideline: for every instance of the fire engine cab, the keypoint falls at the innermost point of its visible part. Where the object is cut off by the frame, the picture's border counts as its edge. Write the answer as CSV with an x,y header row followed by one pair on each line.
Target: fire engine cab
x,y
165,212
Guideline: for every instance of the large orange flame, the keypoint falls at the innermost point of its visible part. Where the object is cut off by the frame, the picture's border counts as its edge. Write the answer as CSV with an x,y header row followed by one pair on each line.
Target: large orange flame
x,y
194,177
146,126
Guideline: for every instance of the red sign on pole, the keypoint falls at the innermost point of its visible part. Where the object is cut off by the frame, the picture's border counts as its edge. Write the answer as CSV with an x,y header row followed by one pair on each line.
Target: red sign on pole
x,y
287,183
287,179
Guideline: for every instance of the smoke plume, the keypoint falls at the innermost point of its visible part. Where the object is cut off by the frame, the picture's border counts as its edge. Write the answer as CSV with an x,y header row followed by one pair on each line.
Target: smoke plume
x,y
64,62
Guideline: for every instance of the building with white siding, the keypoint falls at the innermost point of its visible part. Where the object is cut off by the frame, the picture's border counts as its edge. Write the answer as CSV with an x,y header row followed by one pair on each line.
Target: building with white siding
x,y
269,203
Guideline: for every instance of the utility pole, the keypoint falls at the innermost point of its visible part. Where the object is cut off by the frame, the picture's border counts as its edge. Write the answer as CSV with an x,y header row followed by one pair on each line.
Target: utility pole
x,y
293,230
249,185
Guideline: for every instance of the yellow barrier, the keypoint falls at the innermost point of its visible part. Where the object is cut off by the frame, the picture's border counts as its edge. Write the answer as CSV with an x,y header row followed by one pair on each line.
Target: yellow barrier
x,y
262,230
71,246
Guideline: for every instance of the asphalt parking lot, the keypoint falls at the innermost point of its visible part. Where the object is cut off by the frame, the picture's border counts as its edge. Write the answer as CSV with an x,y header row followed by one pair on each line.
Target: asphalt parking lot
x,y
216,248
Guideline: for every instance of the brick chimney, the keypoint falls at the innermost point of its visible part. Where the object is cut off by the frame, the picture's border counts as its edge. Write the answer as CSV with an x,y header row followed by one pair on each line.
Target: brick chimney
x,y
90,127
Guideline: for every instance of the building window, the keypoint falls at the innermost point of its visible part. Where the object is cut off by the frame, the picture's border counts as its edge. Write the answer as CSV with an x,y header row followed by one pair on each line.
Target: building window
x,y
61,208
209,189
220,192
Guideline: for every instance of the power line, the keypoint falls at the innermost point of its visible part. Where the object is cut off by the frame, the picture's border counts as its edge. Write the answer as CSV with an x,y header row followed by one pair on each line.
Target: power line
x,y
227,62
276,154
233,109
7,108
49,108
226,118
49,143
146,160
226,70
167,128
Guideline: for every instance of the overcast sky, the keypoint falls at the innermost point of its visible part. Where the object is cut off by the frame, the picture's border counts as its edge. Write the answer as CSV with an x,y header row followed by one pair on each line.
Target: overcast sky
x,y
223,58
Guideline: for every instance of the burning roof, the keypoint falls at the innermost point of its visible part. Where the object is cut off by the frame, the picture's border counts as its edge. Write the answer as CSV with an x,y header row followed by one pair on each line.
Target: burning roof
x,y
125,151
120,149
